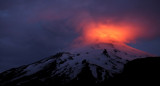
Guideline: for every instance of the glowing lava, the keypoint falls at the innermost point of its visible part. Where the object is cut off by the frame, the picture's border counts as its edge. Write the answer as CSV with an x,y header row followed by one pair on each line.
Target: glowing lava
x,y
105,33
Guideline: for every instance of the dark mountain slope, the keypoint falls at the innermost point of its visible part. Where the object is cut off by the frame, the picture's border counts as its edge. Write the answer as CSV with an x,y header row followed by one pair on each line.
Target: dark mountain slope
x,y
140,71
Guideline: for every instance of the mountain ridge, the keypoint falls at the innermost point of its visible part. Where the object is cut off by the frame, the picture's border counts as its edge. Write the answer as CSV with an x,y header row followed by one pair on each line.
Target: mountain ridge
x,y
97,62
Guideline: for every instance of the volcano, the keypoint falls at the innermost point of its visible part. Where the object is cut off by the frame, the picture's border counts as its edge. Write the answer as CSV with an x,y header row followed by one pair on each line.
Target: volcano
x,y
89,64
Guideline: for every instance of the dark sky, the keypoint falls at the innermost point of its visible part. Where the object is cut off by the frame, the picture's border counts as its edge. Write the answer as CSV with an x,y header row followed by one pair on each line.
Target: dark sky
x,y
33,29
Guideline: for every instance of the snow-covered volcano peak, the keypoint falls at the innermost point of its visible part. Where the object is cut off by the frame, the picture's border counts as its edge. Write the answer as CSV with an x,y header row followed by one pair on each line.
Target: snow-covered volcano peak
x,y
95,62
114,49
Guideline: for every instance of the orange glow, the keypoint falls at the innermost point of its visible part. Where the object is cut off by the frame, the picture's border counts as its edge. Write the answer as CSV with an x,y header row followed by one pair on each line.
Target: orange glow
x,y
104,33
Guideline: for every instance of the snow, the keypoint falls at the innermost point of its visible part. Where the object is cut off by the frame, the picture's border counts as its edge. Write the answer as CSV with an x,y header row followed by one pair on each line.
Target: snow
x,y
94,72
66,67
103,75
31,69
93,55
70,63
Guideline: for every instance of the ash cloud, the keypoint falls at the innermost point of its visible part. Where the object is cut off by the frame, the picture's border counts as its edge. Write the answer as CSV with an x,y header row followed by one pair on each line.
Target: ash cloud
x,y
33,29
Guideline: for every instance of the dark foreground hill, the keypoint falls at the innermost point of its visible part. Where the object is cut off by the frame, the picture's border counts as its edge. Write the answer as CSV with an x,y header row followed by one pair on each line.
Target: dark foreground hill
x,y
140,71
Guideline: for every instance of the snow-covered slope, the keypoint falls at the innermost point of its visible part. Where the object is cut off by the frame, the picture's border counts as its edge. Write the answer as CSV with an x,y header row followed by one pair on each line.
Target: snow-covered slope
x,y
97,62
